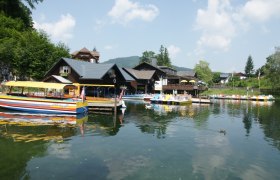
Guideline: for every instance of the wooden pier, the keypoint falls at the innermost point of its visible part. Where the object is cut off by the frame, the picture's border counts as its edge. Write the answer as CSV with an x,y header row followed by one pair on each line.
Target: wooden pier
x,y
106,106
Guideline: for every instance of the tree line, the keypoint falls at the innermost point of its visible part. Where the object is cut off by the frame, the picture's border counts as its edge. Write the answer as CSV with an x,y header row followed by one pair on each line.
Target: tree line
x,y
162,59
25,53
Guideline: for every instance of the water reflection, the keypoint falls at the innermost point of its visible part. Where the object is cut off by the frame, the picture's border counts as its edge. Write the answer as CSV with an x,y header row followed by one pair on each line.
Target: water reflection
x,y
38,127
154,142
24,136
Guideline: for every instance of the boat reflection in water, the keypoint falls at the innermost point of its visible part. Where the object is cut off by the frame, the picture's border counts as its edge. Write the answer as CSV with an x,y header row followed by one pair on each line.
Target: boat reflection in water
x,y
186,110
192,109
48,127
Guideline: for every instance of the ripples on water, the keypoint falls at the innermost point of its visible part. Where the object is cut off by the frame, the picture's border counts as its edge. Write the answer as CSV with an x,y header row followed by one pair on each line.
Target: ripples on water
x,y
224,140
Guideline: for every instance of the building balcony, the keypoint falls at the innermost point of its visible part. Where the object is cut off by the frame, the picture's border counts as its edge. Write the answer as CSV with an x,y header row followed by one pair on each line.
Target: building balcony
x,y
183,87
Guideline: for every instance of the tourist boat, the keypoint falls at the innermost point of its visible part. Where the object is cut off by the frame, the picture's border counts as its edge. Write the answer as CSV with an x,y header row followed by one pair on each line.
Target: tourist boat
x,y
171,99
41,97
244,97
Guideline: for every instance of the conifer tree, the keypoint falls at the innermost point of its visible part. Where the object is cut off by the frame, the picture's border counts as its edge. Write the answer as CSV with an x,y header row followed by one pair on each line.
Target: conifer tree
x,y
249,68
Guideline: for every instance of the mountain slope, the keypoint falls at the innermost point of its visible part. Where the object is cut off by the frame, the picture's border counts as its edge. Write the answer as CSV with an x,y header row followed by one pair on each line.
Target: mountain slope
x,y
128,62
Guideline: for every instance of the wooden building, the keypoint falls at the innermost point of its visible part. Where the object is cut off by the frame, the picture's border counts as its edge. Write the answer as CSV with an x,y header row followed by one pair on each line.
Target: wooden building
x,y
144,80
78,71
86,55
170,81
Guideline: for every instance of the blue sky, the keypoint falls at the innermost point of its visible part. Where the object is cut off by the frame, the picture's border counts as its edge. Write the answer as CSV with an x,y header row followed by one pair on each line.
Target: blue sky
x,y
222,32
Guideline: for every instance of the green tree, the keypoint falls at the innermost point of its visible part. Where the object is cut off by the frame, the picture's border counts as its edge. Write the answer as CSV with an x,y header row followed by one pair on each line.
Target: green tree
x,y
203,72
163,57
37,55
160,56
147,57
9,44
17,9
249,68
272,68
166,59
26,53
216,77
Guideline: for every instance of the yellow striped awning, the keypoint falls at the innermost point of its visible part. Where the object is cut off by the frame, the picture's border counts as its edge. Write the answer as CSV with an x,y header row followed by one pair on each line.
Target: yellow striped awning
x,y
36,84
93,85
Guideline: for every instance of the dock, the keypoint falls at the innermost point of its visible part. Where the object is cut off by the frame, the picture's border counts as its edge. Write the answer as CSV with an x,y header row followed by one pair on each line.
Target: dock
x,y
244,97
104,106
201,101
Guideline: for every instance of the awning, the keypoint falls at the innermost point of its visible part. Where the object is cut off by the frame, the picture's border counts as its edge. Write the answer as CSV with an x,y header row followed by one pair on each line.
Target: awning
x,y
35,84
93,85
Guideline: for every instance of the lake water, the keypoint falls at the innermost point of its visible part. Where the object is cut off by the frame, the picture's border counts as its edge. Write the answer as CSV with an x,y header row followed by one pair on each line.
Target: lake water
x,y
224,140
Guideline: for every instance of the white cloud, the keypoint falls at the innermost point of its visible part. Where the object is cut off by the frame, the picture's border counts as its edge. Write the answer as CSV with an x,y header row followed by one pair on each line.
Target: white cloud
x,y
108,47
99,24
216,24
60,30
214,41
173,51
220,21
261,10
125,11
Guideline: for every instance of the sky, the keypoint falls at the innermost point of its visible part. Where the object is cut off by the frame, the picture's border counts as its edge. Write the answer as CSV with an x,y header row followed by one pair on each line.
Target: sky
x,y
223,33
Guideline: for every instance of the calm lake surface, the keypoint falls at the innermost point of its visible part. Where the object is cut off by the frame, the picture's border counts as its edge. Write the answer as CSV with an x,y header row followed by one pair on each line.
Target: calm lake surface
x,y
224,140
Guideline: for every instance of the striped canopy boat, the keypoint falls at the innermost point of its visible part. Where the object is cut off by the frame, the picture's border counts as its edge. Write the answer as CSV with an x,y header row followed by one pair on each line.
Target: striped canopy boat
x,y
41,97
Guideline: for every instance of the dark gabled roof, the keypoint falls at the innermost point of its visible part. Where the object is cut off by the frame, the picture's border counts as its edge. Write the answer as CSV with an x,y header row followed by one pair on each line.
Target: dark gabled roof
x,y
153,67
239,74
85,50
88,70
186,73
166,67
126,76
146,75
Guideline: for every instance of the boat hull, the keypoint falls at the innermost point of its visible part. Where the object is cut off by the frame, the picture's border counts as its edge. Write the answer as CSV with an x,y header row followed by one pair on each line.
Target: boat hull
x,y
43,105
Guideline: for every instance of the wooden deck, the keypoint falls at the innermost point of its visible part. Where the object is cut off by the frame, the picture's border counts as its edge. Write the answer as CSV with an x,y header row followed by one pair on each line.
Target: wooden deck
x,y
201,101
103,105
187,87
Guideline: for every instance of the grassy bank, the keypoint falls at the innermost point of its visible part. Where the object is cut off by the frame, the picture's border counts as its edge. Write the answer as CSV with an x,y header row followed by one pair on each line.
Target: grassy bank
x,y
229,91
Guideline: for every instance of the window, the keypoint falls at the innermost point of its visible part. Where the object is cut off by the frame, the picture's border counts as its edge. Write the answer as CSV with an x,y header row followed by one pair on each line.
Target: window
x,y
64,70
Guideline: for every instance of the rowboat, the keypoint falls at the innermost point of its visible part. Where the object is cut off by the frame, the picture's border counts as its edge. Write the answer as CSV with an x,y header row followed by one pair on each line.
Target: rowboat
x,y
41,97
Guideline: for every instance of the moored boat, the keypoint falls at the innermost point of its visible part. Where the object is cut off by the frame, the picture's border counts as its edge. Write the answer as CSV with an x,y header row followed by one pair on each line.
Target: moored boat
x,y
201,101
171,99
244,97
41,97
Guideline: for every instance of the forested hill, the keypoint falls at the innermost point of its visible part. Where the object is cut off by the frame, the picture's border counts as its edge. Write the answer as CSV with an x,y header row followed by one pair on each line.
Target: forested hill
x,y
132,61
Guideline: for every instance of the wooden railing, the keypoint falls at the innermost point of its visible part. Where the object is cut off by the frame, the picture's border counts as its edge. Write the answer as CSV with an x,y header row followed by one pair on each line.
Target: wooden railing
x,y
187,87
